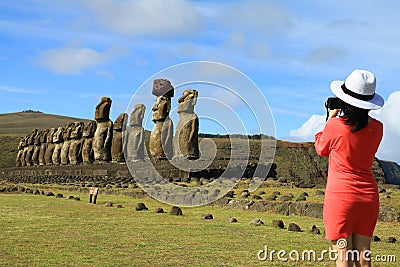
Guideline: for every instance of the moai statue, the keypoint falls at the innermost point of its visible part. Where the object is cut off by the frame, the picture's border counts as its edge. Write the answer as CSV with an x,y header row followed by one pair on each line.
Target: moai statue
x,y
104,131
161,138
75,149
87,147
135,134
117,152
36,150
31,147
186,142
67,143
43,147
50,147
25,148
21,146
58,140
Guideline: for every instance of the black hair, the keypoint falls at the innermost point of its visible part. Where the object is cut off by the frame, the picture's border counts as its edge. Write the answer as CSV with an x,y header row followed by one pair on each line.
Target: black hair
x,y
355,117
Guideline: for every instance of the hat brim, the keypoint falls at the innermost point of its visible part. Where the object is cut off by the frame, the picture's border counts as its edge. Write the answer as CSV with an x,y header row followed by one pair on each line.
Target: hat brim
x,y
375,103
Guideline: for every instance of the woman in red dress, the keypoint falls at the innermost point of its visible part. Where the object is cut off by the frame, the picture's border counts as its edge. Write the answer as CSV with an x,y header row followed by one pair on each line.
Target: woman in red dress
x,y
350,139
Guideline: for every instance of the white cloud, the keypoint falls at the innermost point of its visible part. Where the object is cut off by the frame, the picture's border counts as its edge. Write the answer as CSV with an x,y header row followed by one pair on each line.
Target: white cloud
x,y
148,17
70,60
10,89
388,115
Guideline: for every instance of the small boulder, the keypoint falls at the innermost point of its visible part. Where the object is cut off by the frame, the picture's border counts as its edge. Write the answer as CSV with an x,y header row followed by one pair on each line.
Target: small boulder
x,y
278,223
301,198
70,197
319,193
276,193
382,190
175,210
257,197
392,240
245,194
294,228
375,238
271,197
230,194
59,196
261,193
77,199
231,219
108,204
207,217
285,198
256,222
315,230
305,194
141,206
119,206
37,192
159,210
50,194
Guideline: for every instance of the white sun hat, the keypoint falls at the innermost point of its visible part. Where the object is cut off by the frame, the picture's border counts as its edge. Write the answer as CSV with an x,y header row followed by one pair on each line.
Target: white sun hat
x,y
358,90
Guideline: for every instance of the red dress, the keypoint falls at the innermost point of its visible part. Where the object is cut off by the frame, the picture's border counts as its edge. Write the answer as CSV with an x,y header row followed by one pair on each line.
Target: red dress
x,y
351,201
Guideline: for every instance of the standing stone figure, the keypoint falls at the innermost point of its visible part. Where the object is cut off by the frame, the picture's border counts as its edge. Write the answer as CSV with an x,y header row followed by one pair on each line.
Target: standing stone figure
x,y
117,152
36,149
135,134
161,138
87,147
67,143
104,131
31,147
58,140
75,149
43,147
186,143
50,147
20,160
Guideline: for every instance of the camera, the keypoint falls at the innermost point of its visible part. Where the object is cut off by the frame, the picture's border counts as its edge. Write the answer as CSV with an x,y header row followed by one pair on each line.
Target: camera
x,y
333,103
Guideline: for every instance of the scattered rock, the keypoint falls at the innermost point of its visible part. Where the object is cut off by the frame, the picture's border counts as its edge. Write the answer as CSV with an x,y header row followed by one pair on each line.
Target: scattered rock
x,y
36,192
175,210
271,197
319,193
109,204
245,194
257,197
382,190
305,194
42,193
77,199
256,222
285,198
375,238
70,197
294,228
207,217
59,196
276,193
141,206
230,194
119,206
28,191
261,193
159,210
315,230
231,219
391,240
301,198
278,223
50,194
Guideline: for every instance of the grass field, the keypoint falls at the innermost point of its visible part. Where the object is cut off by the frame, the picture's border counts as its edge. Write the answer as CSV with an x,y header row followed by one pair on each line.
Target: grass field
x,y
46,231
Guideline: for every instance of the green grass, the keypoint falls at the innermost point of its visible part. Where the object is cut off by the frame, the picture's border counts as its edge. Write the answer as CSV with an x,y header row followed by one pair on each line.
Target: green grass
x,y
46,231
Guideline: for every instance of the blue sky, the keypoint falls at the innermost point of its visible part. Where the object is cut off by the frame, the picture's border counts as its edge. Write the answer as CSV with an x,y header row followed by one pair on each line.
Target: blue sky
x,y
60,57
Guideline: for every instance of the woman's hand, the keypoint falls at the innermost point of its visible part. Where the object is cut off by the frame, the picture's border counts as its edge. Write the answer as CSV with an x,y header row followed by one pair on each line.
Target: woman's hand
x,y
333,113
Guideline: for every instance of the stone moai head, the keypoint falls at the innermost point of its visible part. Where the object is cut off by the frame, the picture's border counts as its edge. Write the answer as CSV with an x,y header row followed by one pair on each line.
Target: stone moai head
x,y
37,138
89,129
120,122
187,101
76,132
137,115
50,135
22,142
43,137
32,135
58,135
103,110
161,108
67,130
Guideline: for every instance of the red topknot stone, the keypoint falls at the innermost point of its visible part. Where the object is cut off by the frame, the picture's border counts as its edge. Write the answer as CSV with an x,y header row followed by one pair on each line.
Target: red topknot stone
x,y
163,87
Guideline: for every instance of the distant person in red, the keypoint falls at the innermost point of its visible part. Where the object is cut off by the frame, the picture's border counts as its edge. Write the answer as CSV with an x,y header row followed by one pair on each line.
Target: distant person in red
x,y
350,139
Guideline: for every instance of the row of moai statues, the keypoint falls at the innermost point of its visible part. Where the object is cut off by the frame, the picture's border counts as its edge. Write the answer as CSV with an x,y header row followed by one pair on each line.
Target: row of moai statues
x,y
102,140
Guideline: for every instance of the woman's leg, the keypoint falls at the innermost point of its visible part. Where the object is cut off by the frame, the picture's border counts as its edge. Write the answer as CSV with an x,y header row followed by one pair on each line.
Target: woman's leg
x,y
342,246
362,243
